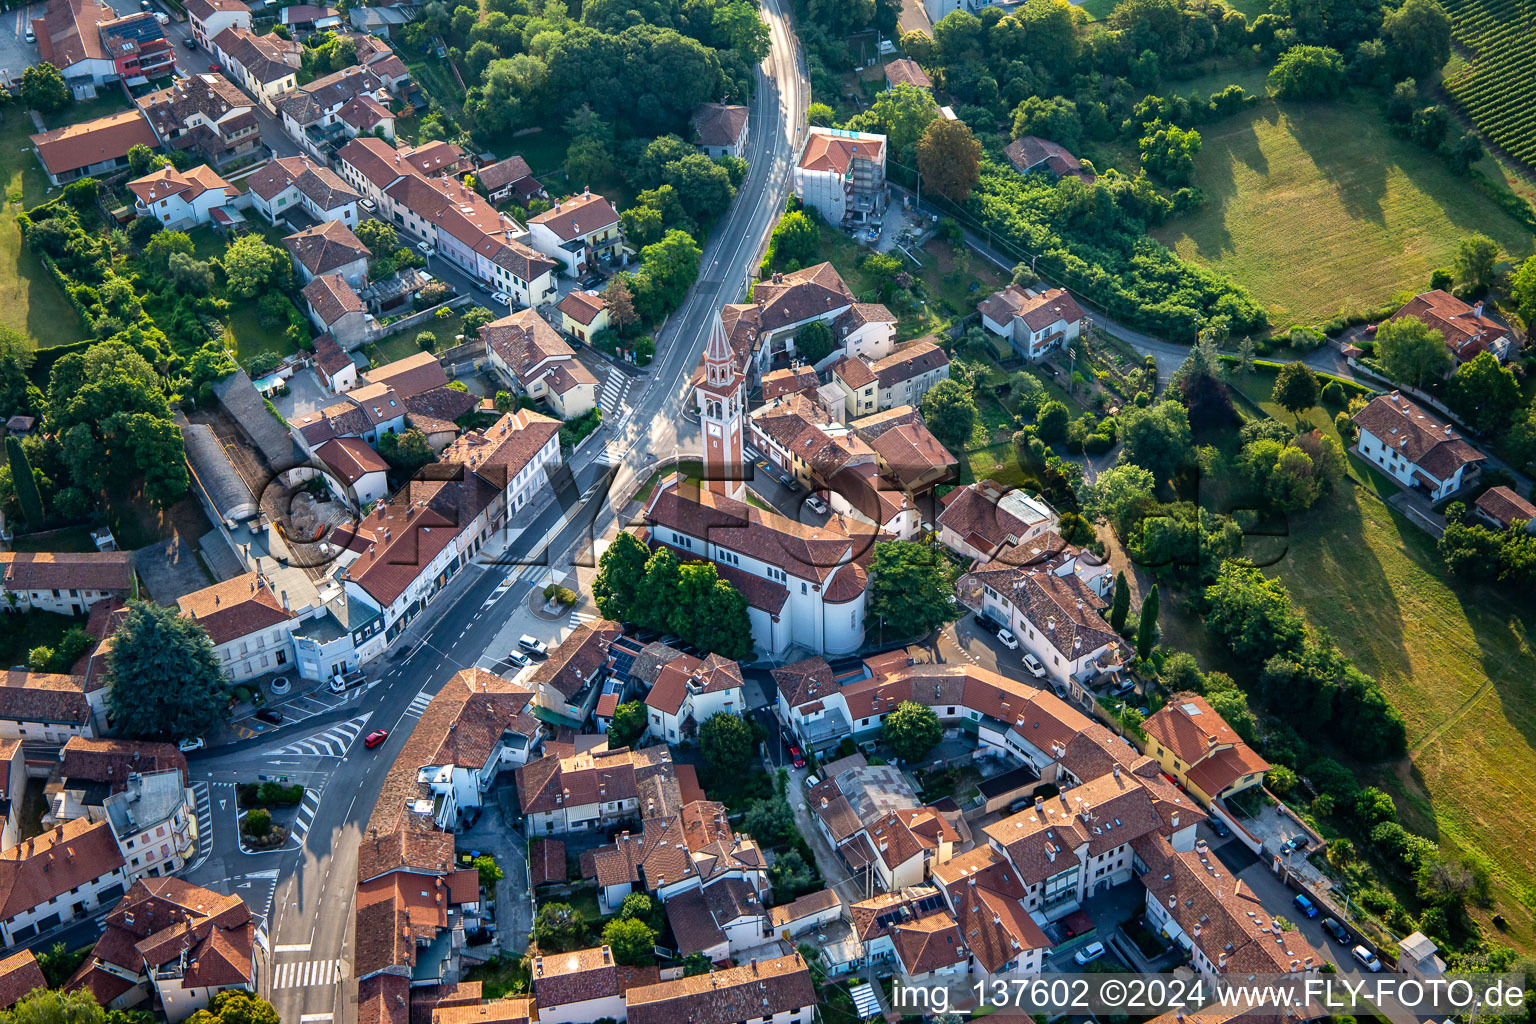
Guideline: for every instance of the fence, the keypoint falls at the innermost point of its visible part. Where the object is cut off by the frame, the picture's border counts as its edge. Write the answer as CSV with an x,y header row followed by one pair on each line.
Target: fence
x,y
410,320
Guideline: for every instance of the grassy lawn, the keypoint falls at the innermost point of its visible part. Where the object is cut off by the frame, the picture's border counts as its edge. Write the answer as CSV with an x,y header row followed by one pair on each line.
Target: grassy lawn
x,y
502,976
21,632
30,301
1366,215
1455,659
403,343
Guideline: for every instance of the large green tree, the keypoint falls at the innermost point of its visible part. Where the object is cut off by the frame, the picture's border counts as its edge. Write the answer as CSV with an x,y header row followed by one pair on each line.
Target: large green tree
x,y
1418,36
814,342
25,483
628,724
1122,494
949,159
1120,604
620,570
1146,629
1476,257
1307,73
49,1006
949,410
1296,389
632,941
726,742
559,927
1485,393
911,590
668,269
1412,351
252,265
901,114
44,90
911,730
164,678
1157,437
236,1007
796,240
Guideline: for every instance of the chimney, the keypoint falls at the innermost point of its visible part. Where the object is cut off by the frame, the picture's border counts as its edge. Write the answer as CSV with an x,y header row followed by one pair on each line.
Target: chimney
x,y
1477,309
1117,771
1175,821
1039,803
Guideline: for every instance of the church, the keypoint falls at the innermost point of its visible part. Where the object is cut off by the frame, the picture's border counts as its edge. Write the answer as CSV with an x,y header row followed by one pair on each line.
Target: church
x,y
805,585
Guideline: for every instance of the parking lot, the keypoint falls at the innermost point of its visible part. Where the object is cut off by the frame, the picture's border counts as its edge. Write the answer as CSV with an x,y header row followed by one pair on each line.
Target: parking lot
x,y
296,708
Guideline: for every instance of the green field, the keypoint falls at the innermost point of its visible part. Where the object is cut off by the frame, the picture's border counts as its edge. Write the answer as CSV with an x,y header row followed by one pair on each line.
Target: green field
x,y
1318,208
1497,86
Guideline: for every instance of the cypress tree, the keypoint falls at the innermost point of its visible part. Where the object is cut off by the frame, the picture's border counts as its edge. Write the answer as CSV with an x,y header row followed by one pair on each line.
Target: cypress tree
x,y
1120,604
26,486
1146,633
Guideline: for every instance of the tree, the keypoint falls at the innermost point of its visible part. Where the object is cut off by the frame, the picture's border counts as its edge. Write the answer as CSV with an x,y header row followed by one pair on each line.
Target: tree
x,y
1055,118
1307,73
726,742
1418,37
1484,393
911,588
49,1006
638,906
164,678
1051,422
426,341
43,89
1522,288
1120,604
814,342
25,483
769,821
251,266
820,114
1156,438
258,823
1412,351
796,240
1476,257
949,159
490,871
791,877
668,269
950,412
165,244
1169,151
702,185
621,303
632,941
628,724
1296,389
1252,614
474,318
559,927
911,730
1146,630
620,570
141,159
587,160
901,113
1122,494
406,452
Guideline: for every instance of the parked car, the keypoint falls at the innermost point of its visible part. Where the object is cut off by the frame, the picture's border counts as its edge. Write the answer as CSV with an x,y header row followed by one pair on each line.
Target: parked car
x,y
1366,957
189,43
987,622
1220,828
1033,664
1305,905
519,659
376,737
812,781
426,248
532,646
187,746
348,681
503,298
30,36
1300,841
795,757
1339,932
817,505
269,715
1089,953
1007,639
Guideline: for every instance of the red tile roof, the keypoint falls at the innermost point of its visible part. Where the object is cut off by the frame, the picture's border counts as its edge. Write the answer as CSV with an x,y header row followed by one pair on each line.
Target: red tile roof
x,y
834,150
104,570
1505,506
51,864
578,216
19,974
235,608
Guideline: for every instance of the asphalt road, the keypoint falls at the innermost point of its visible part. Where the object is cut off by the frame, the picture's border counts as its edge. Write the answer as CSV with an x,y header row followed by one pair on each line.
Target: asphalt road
x,y
305,893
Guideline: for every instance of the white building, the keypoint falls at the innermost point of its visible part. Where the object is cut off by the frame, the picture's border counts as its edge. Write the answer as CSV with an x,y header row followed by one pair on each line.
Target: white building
x,y
577,987
761,334
181,199
983,519
266,67
777,991
720,129
152,818
1414,448
532,357
251,629
210,17
1033,322
841,174
578,232
63,874
65,583
358,475
490,731
297,181
687,692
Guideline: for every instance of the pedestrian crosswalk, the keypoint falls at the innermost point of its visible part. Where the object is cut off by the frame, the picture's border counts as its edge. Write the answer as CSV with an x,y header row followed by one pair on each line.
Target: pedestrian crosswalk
x,y
204,806
418,705
333,742
614,390
306,816
580,618
607,456
304,973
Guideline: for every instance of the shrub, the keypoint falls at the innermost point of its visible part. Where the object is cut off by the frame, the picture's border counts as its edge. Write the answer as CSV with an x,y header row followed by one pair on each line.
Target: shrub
x,y
1333,394
426,341
258,823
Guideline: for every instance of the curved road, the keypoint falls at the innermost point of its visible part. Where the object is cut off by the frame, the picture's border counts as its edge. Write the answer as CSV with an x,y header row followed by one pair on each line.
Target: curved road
x,y
307,974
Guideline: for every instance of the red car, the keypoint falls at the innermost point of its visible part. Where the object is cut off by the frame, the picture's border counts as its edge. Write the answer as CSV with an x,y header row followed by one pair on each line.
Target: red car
x,y
376,737
796,758
214,67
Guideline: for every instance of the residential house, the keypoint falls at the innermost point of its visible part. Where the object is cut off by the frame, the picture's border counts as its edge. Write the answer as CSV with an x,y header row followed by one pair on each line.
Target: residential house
x,y
65,583
910,457
874,820
19,975
983,520
329,247
358,475
904,376
1196,900
578,233
44,707
152,816
537,362
365,115
589,789
310,114
292,182
776,991
1197,747
804,585
1052,599
912,930
174,942
1500,507
91,44
336,369
338,313
791,379
517,454
1031,153
906,71
718,920
582,985
688,691
811,911
207,117
720,129
250,625
181,199
1033,323
761,334
65,873
210,17
986,898
1416,449
95,148
583,315
568,682
94,772
266,66
511,178
841,175
1467,331
309,18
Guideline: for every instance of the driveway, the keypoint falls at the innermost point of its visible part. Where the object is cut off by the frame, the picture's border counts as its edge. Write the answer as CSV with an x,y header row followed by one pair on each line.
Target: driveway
x,y
170,569
499,833
305,395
